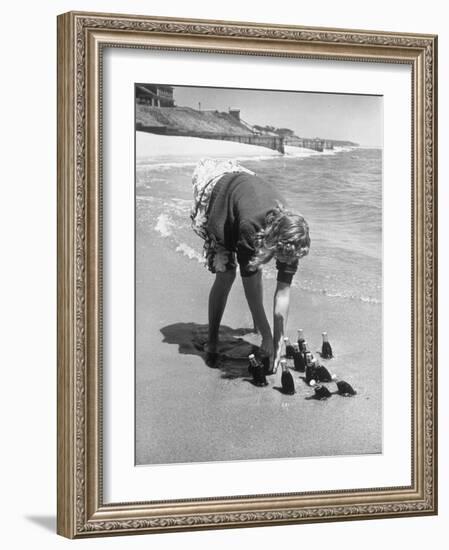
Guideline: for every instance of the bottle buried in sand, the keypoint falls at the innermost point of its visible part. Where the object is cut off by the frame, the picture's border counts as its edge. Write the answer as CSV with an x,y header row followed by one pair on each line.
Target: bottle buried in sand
x,y
298,359
304,351
326,350
289,349
322,374
252,363
257,371
345,389
321,392
288,384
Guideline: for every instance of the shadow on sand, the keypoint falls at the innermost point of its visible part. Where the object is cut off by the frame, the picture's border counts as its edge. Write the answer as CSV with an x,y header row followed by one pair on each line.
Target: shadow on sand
x,y
233,350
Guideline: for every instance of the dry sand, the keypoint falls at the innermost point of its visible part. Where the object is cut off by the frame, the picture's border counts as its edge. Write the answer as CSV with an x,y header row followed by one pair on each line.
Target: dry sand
x,y
189,146
148,144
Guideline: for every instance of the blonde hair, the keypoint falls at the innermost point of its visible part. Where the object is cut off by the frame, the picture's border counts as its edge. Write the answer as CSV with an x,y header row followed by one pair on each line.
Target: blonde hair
x,y
284,233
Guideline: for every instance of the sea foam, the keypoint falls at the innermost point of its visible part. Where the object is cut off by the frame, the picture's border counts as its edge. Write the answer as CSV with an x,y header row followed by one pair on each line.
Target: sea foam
x,y
164,225
188,251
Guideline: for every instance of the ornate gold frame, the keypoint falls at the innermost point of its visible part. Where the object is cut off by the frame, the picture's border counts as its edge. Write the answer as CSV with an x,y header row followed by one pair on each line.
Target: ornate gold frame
x,y
81,37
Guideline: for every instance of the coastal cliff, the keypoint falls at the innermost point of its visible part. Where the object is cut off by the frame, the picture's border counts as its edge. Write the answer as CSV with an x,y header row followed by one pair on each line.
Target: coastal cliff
x,y
214,124
185,121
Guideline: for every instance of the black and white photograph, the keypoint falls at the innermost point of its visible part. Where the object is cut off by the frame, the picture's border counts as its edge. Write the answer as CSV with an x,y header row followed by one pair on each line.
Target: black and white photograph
x,y
258,296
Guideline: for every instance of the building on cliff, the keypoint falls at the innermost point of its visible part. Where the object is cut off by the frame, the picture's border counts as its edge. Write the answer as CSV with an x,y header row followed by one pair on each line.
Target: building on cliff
x,y
155,95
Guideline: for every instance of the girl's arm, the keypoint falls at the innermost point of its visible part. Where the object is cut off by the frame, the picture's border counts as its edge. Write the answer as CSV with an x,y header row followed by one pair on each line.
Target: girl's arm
x,y
280,314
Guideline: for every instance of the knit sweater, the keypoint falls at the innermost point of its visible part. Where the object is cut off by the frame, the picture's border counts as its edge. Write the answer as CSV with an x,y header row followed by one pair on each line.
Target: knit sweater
x,y
238,205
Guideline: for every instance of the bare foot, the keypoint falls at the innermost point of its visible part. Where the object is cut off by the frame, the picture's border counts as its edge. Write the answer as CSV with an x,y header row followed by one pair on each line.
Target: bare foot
x,y
212,355
210,347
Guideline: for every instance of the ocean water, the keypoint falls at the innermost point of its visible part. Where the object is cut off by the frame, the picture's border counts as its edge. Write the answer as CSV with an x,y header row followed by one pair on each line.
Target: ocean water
x,y
339,193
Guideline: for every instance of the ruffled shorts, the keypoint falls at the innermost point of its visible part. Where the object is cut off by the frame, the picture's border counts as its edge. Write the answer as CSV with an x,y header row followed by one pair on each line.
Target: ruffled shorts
x,y
206,174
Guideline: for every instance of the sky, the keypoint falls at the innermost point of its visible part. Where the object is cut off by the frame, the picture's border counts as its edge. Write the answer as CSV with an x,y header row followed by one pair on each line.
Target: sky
x,y
357,118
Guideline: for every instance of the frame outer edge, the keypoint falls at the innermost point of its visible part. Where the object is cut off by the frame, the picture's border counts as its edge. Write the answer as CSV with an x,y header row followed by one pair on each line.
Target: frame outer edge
x,y
76,318
66,343
435,269
161,19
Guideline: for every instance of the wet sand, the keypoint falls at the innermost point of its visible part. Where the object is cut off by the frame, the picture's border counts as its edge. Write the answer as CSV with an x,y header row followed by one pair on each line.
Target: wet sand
x,y
189,412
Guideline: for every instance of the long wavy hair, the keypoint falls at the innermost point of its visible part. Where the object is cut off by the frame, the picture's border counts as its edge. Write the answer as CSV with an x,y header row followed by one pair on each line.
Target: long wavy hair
x,y
283,233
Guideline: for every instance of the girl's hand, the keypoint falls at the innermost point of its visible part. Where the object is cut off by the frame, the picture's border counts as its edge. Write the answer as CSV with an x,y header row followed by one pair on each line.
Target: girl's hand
x,y
280,311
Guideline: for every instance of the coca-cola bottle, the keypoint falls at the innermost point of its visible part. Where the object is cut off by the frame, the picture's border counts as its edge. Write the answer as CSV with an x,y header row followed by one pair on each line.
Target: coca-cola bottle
x,y
298,359
322,374
321,392
310,369
326,349
288,384
304,348
345,389
301,338
252,364
288,348
256,369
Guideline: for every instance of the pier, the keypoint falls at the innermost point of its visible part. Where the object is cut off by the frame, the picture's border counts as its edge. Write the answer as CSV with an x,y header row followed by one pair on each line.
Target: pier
x,y
315,144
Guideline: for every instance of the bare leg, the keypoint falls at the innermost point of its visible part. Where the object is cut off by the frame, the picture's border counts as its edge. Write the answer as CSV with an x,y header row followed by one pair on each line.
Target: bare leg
x,y
218,297
258,290
254,296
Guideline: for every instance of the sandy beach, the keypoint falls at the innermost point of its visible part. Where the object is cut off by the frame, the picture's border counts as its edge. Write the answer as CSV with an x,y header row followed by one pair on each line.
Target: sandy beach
x,y
187,411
